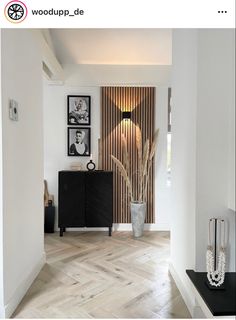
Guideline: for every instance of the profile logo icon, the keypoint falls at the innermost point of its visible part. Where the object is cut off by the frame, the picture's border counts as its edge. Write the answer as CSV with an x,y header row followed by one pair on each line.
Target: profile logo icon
x,y
15,11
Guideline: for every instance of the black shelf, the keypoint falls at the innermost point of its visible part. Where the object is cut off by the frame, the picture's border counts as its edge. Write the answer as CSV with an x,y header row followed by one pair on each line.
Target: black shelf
x,y
220,302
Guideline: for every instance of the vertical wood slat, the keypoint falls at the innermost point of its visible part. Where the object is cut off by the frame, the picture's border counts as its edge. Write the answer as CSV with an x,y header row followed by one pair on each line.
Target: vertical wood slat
x,y
141,101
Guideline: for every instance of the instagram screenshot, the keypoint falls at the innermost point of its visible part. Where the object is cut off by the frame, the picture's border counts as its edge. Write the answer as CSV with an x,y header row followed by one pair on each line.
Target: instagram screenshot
x,y
117,159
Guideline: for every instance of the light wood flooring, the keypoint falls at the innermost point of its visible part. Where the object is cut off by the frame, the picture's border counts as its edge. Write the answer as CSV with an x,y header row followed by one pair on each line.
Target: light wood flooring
x,y
91,275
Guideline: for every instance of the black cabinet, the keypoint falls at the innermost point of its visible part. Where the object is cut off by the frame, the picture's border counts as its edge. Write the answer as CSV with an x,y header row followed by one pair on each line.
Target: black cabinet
x,y
85,199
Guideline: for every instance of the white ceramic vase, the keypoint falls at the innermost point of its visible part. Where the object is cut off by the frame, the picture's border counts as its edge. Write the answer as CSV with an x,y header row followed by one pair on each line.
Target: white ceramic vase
x,y
138,214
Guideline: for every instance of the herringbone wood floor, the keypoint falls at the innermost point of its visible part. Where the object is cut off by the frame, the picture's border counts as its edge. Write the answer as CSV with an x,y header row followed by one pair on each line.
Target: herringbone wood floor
x,y
91,275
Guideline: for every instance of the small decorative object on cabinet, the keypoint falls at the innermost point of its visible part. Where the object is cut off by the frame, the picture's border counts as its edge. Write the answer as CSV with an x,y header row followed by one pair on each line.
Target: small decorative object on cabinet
x,y
76,166
46,193
216,265
145,159
85,199
49,210
91,165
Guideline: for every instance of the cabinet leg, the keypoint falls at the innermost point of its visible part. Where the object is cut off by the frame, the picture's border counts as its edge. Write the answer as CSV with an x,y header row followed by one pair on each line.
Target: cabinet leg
x,y
64,229
61,232
110,228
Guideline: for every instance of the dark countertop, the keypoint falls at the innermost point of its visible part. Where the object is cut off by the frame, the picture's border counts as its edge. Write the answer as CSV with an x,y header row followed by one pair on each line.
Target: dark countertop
x,y
220,302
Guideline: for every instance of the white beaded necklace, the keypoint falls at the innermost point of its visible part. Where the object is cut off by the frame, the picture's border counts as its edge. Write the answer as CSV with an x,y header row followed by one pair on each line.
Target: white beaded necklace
x,y
216,277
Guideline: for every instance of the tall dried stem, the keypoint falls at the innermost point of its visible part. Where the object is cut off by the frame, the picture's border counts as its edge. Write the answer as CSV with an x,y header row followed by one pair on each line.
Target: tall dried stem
x,y
126,155
144,169
146,181
124,174
154,143
139,145
152,153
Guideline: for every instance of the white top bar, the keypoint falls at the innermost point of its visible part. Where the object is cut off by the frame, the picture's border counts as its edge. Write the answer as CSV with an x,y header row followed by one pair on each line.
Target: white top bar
x,y
124,14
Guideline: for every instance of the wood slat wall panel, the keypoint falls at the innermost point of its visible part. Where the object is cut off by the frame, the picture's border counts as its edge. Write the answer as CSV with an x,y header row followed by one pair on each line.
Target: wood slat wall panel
x,y
115,100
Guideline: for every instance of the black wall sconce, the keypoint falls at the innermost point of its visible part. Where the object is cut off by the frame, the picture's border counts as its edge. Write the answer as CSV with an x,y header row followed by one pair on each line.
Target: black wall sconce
x,y
126,115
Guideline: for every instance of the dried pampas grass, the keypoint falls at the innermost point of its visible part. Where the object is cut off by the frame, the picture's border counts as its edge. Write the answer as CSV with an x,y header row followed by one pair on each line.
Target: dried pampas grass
x,y
139,145
154,143
145,157
124,174
139,142
126,155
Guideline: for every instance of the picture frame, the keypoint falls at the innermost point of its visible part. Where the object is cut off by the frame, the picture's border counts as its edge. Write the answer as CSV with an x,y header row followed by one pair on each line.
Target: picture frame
x,y
78,110
78,141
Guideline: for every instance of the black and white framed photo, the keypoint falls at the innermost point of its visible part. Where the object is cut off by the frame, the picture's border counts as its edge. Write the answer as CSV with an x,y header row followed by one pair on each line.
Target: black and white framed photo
x,y
79,142
78,110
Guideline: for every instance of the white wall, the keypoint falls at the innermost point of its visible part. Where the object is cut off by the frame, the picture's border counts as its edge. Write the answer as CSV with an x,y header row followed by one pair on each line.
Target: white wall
x,y
183,199
231,173
23,248
114,75
162,191
231,147
55,131
1,204
203,100
55,124
216,87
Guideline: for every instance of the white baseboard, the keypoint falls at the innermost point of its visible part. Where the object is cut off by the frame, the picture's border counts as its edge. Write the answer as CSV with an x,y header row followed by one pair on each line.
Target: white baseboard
x,y
2,312
21,290
164,226
147,227
189,299
127,227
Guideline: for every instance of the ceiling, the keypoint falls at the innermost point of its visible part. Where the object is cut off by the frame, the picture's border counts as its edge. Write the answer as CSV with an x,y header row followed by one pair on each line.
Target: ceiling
x,y
113,46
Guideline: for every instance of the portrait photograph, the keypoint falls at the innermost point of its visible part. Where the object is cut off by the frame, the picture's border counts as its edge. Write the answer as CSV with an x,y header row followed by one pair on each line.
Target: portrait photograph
x,y
78,110
79,142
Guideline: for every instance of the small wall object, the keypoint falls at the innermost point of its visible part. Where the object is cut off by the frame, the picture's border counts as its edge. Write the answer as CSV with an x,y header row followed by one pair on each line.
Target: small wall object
x,y
13,110
126,115
215,264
